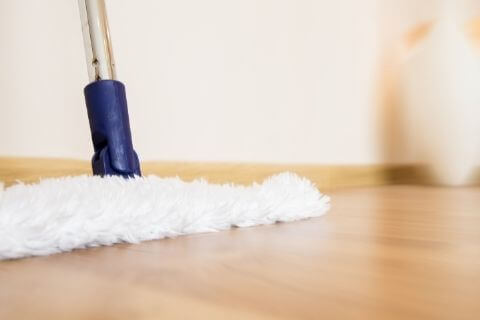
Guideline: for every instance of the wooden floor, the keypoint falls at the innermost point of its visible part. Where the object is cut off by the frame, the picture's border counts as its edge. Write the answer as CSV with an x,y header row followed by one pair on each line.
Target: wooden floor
x,y
395,252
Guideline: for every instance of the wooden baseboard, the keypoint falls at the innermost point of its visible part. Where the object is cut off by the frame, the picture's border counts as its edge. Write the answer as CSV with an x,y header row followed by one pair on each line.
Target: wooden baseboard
x,y
324,176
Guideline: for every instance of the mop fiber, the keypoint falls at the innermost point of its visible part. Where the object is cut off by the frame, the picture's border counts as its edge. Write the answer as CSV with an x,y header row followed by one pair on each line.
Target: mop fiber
x,y
57,215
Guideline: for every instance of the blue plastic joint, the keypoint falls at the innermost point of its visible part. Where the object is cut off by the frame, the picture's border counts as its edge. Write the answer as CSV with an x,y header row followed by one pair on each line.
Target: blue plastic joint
x,y
109,124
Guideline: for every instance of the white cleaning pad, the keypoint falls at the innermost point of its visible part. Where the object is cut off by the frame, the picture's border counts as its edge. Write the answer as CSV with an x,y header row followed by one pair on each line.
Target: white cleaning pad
x,y
62,214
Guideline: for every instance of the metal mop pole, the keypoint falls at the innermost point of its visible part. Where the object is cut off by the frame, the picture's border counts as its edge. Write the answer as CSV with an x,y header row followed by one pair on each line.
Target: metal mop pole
x,y
105,98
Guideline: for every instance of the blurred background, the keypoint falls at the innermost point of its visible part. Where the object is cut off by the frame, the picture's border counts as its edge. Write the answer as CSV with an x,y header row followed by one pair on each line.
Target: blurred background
x,y
276,81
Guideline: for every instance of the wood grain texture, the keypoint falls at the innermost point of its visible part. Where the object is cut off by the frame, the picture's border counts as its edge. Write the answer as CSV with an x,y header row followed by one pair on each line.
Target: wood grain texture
x,y
393,252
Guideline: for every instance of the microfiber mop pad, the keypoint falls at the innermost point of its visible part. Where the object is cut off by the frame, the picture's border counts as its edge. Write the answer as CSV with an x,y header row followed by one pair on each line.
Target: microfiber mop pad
x,y
61,214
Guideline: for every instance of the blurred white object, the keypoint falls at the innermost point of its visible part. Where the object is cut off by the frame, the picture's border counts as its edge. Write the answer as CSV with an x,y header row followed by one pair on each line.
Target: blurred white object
x,y
441,95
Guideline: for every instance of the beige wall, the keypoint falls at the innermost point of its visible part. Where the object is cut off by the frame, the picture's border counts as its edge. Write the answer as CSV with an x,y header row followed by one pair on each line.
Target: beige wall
x,y
211,80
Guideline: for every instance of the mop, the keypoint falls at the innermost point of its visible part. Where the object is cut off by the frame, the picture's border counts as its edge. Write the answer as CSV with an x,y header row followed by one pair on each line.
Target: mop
x,y
119,205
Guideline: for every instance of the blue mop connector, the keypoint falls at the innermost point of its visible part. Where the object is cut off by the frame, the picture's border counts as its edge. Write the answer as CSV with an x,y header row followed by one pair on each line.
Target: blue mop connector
x,y
105,98
109,124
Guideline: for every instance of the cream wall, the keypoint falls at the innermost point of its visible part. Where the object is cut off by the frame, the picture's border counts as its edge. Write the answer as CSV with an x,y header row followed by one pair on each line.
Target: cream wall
x,y
210,80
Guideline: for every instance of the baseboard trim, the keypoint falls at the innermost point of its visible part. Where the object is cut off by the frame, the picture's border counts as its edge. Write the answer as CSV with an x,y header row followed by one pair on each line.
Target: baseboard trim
x,y
30,170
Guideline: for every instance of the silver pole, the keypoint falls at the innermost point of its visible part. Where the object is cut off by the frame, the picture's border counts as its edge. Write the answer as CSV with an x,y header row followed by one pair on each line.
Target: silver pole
x,y
96,38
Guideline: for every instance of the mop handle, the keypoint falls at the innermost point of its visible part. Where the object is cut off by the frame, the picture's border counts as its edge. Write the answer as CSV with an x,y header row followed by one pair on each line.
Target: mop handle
x,y
105,98
96,38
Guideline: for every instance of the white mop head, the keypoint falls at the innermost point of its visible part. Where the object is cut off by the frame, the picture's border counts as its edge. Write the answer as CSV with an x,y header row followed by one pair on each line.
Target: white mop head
x,y
62,214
